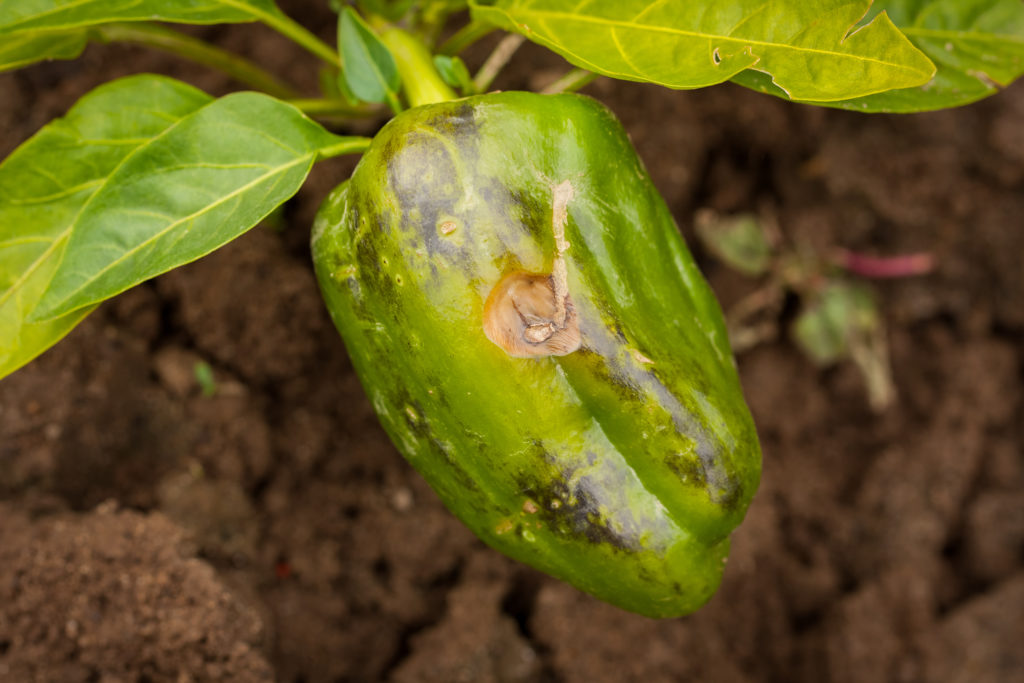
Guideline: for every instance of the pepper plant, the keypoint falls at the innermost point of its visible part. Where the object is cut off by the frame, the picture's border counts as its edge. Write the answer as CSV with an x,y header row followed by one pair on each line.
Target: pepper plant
x,y
512,290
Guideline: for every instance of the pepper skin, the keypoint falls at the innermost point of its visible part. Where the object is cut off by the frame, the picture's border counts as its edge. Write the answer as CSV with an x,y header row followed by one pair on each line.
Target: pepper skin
x,y
606,440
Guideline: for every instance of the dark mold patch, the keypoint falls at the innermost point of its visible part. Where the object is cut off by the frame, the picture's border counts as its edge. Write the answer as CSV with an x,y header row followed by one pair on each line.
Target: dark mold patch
x,y
423,175
706,467
689,470
457,124
571,511
624,378
418,425
533,214
379,281
458,472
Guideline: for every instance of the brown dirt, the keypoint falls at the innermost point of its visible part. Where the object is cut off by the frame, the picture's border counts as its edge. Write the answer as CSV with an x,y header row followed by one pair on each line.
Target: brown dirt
x,y
272,531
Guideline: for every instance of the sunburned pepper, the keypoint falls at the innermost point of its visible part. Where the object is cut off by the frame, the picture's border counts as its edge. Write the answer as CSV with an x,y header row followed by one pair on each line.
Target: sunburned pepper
x,y
538,343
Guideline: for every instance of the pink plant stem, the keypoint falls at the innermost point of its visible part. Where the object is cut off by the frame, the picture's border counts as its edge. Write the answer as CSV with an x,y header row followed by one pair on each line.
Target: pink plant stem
x,y
880,267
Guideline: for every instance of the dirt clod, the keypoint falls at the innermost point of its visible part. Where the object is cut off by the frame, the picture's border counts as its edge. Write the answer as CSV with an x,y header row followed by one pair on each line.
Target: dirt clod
x,y
117,595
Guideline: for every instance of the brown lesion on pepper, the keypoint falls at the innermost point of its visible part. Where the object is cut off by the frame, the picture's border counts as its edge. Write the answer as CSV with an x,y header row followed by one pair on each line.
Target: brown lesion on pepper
x,y
532,314
522,315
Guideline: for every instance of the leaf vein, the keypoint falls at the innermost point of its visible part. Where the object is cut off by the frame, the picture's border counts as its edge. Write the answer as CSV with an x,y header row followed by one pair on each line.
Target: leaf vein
x,y
234,194
606,23
748,17
59,239
23,240
965,35
43,199
629,62
648,9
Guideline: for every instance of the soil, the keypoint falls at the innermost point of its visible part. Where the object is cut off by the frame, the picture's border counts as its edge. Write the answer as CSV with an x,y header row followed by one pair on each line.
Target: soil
x,y
272,532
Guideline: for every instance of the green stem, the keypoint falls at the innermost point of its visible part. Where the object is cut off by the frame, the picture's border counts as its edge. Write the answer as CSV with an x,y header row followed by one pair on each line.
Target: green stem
x,y
570,82
195,50
349,145
327,106
393,101
291,29
422,83
497,61
464,37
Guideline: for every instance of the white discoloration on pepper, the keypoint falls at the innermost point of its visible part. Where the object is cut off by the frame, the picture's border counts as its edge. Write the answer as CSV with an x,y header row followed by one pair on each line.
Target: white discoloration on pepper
x,y
345,272
562,195
640,358
504,526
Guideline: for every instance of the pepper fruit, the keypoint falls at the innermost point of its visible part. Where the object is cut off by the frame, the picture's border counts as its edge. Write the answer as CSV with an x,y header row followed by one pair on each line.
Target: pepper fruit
x,y
538,342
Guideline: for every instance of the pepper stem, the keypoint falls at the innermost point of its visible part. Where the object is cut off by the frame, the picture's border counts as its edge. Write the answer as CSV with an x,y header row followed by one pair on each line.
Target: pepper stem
x,y
422,83
169,40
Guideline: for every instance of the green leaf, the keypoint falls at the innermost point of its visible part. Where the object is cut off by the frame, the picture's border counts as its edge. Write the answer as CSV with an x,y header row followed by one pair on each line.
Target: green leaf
x,y
455,73
808,47
51,15
22,49
392,11
204,377
199,184
829,326
977,45
33,30
47,181
842,320
739,241
370,71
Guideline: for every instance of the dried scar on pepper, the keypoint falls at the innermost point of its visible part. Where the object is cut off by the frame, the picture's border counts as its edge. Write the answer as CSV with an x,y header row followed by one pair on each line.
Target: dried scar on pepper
x,y
531,314
521,317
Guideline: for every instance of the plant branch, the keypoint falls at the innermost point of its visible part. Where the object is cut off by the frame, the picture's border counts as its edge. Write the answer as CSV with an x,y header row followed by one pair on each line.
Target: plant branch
x,y
464,37
422,83
882,267
348,145
497,61
332,106
296,32
570,82
182,45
